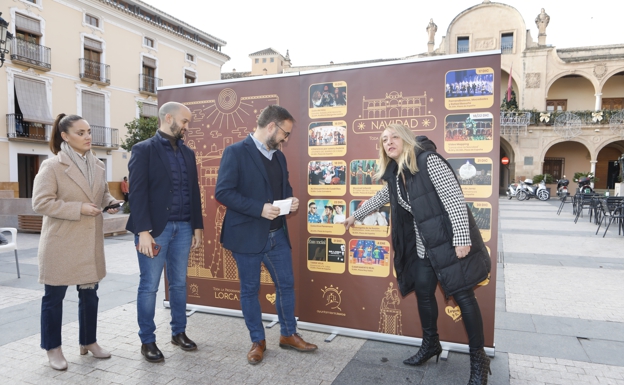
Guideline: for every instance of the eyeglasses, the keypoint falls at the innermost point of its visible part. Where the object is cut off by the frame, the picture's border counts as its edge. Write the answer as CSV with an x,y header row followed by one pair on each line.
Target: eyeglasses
x,y
286,133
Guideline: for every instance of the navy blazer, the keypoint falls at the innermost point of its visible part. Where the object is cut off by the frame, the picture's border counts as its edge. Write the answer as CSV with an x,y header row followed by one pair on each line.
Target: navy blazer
x,y
243,187
151,187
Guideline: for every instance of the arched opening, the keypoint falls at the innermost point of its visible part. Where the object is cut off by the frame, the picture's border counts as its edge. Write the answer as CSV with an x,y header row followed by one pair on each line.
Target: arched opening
x,y
503,87
565,159
608,167
571,93
613,92
506,174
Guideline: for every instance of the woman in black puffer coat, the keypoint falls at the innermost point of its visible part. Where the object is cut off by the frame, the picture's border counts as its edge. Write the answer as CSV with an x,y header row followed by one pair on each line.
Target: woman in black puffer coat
x,y
435,239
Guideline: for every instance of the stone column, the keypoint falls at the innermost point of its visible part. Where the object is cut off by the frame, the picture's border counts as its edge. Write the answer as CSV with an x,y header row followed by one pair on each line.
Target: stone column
x,y
593,170
598,101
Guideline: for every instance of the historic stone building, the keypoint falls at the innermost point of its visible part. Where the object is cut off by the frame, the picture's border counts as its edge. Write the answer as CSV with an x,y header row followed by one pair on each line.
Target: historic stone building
x,y
95,58
586,82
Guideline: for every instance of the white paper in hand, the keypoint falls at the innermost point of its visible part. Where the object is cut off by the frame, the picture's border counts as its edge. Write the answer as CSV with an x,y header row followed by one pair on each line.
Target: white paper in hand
x,y
284,206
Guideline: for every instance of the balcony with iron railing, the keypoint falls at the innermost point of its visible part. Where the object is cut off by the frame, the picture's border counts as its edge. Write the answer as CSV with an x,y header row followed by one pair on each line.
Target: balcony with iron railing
x,y
507,48
104,137
19,129
95,72
31,54
565,123
463,49
149,84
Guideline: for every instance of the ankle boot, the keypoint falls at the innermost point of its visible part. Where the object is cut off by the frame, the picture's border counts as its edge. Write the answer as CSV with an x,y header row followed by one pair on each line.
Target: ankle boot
x,y
95,349
56,358
430,347
479,368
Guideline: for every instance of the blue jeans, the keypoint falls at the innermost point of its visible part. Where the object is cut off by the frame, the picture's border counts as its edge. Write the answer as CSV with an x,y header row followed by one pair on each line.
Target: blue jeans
x,y
175,242
52,316
277,258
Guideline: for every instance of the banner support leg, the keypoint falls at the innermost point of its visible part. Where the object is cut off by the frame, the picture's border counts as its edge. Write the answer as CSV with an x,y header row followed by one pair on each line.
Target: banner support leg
x,y
444,355
273,323
331,337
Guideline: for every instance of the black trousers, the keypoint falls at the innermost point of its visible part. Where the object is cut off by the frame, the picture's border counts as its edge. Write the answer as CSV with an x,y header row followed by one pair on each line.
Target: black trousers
x,y
425,285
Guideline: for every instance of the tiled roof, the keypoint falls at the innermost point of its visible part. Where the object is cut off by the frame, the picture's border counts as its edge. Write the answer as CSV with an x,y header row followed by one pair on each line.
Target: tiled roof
x,y
266,51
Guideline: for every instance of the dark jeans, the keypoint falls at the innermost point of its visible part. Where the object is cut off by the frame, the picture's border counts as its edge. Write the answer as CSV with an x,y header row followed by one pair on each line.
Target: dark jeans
x,y
426,283
52,316
175,245
277,258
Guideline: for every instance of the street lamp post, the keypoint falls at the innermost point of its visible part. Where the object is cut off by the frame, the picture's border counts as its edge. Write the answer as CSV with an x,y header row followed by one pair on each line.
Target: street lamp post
x,y
5,36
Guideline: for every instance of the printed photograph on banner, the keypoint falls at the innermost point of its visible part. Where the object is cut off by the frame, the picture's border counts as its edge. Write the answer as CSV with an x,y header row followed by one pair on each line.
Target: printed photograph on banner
x,y
469,88
375,224
474,175
482,213
327,177
326,255
327,138
369,257
362,173
327,100
464,133
325,216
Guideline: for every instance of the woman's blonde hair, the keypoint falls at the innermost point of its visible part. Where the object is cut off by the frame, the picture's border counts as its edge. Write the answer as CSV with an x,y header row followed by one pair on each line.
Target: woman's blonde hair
x,y
407,159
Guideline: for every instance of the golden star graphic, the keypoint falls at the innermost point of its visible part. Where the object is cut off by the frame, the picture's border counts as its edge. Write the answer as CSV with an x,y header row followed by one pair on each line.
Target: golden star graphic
x,y
426,122
361,126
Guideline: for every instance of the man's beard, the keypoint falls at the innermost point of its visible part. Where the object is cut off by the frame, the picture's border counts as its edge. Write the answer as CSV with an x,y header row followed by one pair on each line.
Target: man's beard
x,y
273,144
176,131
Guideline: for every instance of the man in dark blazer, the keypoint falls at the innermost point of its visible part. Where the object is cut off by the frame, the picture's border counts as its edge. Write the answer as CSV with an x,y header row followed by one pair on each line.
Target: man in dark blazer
x,y
166,210
252,176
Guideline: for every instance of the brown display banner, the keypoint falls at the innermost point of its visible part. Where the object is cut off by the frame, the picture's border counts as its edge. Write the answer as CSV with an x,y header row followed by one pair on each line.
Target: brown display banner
x,y
346,279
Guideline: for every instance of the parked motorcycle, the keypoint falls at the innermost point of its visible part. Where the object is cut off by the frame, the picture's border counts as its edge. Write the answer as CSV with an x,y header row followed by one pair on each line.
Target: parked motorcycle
x,y
584,185
562,187
528,191
512,189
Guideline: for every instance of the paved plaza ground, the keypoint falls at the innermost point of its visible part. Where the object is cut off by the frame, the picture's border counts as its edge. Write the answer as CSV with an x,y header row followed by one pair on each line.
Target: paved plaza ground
x,y
559,320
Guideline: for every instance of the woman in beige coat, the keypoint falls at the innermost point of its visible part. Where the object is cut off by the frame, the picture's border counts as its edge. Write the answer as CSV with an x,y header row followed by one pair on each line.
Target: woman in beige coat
x,y
70,191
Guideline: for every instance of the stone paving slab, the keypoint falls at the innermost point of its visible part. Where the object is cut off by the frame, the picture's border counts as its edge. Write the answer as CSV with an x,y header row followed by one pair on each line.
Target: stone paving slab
x,y
220,359
535,370
559,291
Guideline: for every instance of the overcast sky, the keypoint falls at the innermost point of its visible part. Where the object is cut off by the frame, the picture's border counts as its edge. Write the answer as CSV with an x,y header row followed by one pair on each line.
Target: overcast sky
x,y
345,31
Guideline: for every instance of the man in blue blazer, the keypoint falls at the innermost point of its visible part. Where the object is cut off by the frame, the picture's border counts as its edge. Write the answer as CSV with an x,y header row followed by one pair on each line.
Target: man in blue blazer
x,y
252,175
166,210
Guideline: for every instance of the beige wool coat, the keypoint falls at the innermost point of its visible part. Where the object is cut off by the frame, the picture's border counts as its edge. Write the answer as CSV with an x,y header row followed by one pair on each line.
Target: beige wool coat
x,y
71,247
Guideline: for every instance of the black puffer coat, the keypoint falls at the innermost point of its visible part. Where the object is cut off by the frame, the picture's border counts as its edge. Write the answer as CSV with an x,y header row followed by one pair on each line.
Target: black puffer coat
x,y
435,229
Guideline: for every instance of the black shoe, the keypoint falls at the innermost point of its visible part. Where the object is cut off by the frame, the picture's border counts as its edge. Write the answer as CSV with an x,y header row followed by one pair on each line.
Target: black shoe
x,y
479,368
430,347
183,342
152,353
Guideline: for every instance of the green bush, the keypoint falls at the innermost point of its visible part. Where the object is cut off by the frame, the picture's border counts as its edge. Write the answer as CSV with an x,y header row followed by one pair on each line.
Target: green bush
x,y
538,178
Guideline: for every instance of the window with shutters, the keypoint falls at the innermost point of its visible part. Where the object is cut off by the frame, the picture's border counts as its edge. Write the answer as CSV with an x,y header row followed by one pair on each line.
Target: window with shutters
x,y
92,56
556,105
92,20
148,42
190,57
94,108
612,103
148,81
189,76
26,48
148,110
